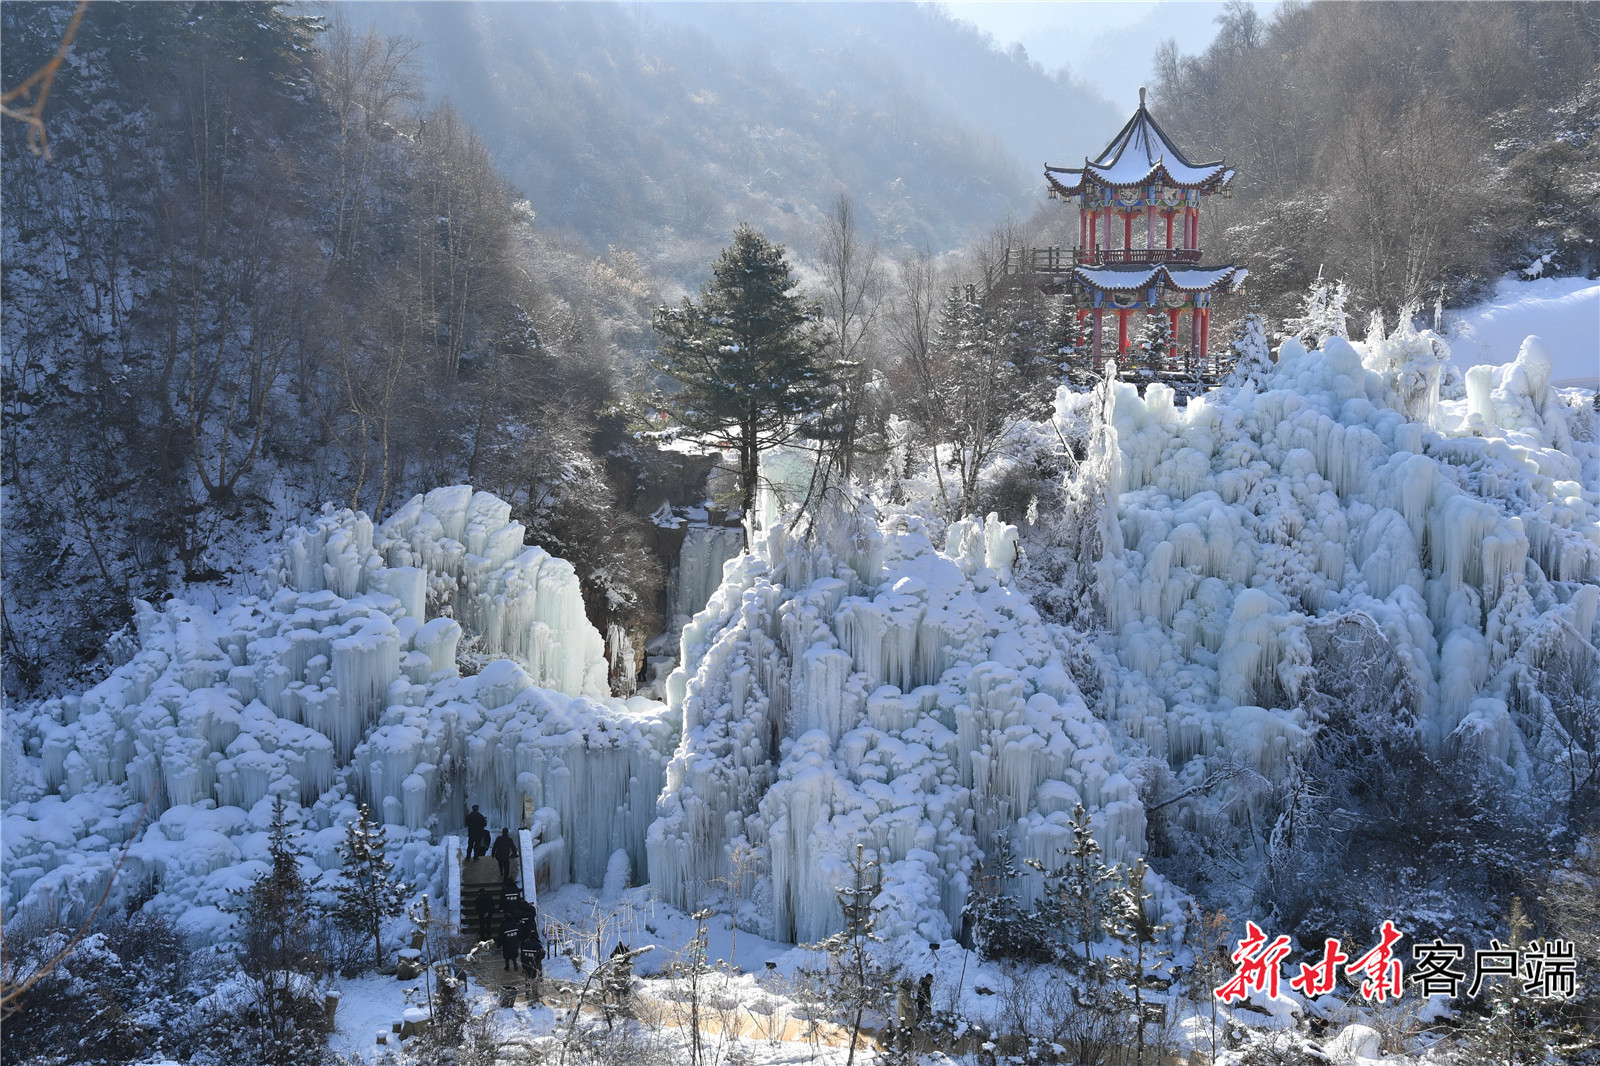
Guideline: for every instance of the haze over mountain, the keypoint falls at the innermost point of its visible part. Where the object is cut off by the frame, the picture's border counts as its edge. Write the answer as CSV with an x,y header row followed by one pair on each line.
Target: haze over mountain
x,y
659,127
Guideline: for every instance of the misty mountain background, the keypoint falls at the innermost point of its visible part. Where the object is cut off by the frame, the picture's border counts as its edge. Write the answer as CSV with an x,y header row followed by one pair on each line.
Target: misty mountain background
x,y
660,127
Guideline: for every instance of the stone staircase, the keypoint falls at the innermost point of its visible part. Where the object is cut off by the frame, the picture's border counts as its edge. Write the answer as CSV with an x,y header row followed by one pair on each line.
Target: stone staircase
x,y
481,873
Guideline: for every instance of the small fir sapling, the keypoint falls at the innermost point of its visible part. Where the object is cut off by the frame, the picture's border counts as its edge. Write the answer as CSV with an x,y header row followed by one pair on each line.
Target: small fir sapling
x,y
855,981
1252,357
1154,343
1323,314
367,890
1144,963
1001,927
278,952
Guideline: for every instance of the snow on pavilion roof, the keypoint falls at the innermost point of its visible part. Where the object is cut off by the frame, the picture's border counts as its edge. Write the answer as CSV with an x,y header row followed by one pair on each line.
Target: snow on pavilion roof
x,y
1128,278
1141,154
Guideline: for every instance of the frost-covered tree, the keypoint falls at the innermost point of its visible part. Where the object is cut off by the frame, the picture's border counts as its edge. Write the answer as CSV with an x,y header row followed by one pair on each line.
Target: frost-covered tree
x,y
748,357
1153,342
1252,357
1077,893
1002,928
367,890
985,370
1323,314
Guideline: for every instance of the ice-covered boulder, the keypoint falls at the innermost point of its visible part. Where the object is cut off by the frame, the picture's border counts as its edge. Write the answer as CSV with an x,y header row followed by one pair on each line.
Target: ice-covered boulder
x,y
868,687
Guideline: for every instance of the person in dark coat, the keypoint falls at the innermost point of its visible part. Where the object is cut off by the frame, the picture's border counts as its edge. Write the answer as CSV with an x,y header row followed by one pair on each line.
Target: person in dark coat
x,y
502,852
485,904
924,999
510,943
477,834
532,948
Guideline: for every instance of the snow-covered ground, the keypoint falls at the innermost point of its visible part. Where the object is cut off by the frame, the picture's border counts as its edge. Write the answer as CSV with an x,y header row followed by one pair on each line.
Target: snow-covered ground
x,y
1563,312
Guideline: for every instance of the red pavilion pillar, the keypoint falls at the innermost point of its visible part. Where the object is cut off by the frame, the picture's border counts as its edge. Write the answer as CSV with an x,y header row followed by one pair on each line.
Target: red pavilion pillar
x,y
1172,320
1099,320
1122,332
1169,231
1194,331
1127,235
1205,329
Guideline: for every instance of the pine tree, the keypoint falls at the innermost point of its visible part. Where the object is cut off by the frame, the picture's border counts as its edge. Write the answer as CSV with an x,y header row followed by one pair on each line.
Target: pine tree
x,y
278,950
367,889
1084,887
748,357
1323,315
1127,922
1001,927
1154,342
855,982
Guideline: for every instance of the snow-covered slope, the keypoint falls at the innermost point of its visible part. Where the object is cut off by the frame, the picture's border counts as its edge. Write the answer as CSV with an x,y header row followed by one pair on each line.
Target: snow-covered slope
x,y
869,688
1253,521
339,685
1565,312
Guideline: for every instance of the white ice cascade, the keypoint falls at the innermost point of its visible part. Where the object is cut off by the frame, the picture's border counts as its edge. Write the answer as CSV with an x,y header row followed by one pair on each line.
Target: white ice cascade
x,y
346,667
869,687
1465,531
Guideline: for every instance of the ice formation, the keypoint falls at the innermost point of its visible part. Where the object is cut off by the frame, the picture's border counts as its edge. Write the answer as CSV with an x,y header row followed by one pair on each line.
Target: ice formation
x,y
870,687
338,685
1343,487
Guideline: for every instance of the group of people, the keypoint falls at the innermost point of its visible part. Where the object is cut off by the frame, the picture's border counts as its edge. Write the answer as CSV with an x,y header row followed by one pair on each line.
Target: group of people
x,y
518,930
503,850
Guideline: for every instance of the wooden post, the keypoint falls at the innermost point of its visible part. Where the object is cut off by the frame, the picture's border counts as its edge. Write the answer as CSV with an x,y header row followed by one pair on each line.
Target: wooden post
x,y
1094,237
1205,330
1122,332
1172,319
1127,234
1099,317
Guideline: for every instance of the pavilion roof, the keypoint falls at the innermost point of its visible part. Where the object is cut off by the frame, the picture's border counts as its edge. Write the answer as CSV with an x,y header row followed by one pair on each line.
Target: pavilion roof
x,y
1141,154
1130,278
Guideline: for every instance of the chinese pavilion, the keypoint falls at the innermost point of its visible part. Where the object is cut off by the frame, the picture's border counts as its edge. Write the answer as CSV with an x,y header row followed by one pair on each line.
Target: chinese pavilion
x,y
1139,268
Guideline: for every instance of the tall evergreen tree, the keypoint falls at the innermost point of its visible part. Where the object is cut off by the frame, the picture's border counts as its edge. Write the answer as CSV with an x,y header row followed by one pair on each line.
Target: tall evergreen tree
x,y
1002,928
367,889
748,357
